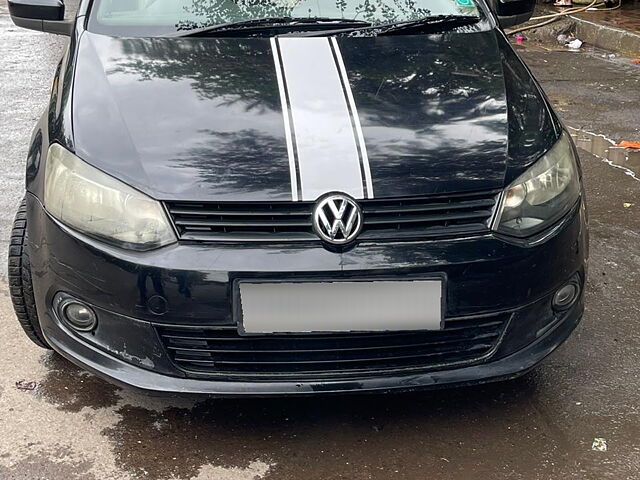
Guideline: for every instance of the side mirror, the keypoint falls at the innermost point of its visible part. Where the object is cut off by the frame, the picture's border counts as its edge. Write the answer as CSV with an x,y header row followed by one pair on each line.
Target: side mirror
x,y
512,12
40,15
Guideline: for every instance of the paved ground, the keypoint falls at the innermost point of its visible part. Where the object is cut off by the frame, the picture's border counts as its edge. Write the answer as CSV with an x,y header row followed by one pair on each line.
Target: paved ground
x,y
589,89
74,426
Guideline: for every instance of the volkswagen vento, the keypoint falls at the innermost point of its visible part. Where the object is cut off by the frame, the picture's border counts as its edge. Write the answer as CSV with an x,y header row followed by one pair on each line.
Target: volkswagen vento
x,y
272,197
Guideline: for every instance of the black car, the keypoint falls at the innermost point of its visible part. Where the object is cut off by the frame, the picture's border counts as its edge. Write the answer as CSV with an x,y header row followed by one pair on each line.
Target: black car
x,y
241,197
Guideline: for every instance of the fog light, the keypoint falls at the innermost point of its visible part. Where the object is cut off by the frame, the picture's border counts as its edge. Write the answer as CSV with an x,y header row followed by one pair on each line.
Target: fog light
x,y
565,296
79,316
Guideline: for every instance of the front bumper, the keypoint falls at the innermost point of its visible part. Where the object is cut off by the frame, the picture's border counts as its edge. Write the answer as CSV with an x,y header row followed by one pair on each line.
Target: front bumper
x,y
120,372
484,275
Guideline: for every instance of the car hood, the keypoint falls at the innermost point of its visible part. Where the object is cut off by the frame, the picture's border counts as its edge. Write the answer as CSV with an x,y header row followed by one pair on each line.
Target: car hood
x,y
260,119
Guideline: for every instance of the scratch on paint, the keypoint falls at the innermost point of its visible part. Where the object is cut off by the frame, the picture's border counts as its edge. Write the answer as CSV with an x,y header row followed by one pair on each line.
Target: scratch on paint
x,y
380,87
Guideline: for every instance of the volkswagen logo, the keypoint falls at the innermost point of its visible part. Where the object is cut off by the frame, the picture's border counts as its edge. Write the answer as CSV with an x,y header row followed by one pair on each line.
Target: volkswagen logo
x,y
337,219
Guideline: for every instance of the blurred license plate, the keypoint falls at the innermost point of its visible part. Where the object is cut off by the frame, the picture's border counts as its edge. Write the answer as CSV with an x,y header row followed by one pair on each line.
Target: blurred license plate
x,y
362,306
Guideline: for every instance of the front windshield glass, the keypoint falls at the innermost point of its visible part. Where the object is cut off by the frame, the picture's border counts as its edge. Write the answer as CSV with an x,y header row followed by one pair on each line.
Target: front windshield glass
x,y
159,17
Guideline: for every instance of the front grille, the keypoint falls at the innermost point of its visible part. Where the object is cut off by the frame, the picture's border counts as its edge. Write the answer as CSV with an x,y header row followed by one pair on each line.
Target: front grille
x,y
221,351
384,219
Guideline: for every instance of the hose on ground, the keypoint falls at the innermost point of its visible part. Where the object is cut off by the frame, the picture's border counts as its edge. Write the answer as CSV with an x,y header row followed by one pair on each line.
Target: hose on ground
x,y
557,16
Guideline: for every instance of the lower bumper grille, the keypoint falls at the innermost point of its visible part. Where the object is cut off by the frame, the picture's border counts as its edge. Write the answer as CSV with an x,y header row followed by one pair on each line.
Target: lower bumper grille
x,y
221,351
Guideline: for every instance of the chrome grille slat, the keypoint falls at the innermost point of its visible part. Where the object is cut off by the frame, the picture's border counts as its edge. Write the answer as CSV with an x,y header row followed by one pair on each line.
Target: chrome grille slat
x,y
232,213
237,237
381,220
240,223
418,208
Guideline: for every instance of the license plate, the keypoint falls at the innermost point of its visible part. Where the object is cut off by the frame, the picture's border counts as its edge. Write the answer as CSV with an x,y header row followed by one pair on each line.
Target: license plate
x,y
339,306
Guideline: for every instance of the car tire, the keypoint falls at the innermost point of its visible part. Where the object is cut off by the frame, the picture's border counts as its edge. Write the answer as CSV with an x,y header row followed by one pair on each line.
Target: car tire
x,y
20,285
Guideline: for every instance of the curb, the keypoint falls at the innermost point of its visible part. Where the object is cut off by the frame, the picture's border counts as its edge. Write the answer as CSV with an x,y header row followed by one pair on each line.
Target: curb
x,y
623,42
606,37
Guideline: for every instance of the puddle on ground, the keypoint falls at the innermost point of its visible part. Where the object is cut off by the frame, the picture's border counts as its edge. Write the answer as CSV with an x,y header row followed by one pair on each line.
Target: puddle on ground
x,y
71,388
607,149
334,437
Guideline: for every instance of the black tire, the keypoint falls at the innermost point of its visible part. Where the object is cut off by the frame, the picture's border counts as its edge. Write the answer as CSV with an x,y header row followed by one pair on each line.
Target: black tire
x,y
20,285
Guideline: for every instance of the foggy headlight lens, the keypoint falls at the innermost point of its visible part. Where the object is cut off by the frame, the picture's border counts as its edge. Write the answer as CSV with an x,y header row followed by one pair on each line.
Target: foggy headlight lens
x,y
88,200
543,194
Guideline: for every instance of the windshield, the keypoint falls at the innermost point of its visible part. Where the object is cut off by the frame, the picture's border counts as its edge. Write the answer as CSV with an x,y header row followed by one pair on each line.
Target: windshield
x,y
162,17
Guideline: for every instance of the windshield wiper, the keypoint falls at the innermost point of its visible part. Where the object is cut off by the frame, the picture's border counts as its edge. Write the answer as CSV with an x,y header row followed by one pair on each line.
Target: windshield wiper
x,y
437,23
272,22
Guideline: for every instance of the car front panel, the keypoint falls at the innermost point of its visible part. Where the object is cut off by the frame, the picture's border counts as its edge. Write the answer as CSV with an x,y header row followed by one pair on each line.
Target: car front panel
x,y
170,311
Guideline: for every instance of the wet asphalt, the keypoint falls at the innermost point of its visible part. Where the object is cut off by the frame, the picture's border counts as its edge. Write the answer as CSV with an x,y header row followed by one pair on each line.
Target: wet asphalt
x,y
59,423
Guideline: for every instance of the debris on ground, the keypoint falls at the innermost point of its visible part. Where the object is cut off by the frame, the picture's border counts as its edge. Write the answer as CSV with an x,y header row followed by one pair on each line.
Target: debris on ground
x,y
635,60
629,144
599,445
520,39
25,385
575,44
627,205
569,41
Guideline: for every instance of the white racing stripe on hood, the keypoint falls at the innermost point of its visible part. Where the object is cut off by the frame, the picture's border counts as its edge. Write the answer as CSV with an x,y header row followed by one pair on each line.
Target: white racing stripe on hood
x,y
327,149
362,147
286,112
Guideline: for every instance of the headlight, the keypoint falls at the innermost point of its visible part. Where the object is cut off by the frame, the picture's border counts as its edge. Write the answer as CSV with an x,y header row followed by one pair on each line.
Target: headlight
x,y
542,195
88,200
